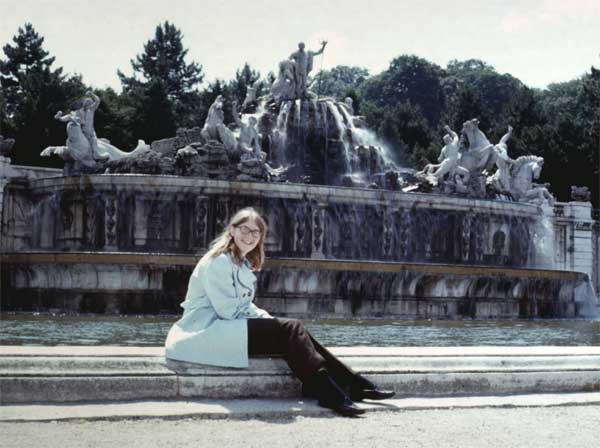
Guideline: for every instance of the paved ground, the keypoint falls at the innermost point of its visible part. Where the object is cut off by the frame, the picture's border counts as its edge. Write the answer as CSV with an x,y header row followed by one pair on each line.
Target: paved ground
x,y
531,427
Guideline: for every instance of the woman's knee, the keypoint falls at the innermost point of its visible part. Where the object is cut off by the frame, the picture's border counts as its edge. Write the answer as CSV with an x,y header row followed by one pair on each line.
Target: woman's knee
x,y
292,325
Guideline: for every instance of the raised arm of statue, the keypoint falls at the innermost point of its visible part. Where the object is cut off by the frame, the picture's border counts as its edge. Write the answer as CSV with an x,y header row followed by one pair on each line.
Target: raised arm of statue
x,y
95,100
323,45
453,134
506,136
65,118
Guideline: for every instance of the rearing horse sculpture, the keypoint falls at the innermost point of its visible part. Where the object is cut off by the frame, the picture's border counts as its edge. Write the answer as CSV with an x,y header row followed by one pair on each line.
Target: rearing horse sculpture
x,y
480,154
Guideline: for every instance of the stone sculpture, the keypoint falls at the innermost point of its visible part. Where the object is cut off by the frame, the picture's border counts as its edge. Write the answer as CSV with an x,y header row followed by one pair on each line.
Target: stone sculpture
x,y
501,178
580,194
449,159
303,64
77,148
251,94
6,145
214,129
284,87
83,148
249,139
466,172
523,188
349,105
480,153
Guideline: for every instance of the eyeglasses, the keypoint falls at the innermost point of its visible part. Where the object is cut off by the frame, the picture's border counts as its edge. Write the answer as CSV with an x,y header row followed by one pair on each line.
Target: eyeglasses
x,y
247,231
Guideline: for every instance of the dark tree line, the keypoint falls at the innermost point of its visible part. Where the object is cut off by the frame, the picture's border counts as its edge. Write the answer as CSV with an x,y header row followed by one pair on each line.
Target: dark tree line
x,y
407,105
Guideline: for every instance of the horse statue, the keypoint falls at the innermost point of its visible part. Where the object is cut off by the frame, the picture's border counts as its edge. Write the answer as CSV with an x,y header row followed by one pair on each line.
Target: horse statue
x,y
524,171
480,154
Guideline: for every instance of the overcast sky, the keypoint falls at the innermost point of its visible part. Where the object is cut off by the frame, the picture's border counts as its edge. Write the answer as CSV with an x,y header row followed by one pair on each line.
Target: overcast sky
x,y
538,41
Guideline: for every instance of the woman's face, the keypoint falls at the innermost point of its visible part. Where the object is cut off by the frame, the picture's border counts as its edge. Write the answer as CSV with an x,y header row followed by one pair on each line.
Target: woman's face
x,y
246,236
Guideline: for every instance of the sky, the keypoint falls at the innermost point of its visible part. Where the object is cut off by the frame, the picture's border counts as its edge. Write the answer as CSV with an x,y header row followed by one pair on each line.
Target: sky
x,y
538,41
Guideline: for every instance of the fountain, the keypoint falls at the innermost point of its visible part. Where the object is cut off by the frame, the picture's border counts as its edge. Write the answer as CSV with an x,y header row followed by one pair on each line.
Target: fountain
x,y
351,233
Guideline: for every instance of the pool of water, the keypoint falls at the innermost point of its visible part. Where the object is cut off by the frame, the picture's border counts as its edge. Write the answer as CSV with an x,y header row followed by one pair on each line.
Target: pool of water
x,y
46,329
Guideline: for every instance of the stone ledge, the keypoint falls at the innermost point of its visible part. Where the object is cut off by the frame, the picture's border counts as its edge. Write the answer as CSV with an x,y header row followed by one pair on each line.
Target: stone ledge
x,y
221,409
71,374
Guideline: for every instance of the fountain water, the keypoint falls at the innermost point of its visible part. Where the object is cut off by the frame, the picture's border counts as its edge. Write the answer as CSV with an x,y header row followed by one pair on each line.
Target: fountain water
x,y
123,236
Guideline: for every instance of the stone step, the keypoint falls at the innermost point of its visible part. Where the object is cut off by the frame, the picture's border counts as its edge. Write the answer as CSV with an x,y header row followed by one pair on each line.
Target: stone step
x,y
71,374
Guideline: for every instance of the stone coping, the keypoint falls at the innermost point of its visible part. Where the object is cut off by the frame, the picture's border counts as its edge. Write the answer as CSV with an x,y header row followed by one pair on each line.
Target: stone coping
x,y
61,374
360,351
166,259
170,184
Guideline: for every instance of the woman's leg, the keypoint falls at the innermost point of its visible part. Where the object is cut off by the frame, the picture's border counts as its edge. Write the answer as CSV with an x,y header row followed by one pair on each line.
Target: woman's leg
x,y
288,338
354,385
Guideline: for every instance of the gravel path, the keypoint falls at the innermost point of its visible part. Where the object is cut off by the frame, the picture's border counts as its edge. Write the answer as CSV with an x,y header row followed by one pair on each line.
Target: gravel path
x,y
562,426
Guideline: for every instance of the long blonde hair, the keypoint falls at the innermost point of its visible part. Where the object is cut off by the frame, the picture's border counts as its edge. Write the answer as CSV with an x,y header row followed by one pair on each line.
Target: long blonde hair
x,y
224,242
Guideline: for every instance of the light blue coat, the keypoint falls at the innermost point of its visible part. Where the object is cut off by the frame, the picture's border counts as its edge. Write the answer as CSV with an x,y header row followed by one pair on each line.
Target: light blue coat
x,y
213,329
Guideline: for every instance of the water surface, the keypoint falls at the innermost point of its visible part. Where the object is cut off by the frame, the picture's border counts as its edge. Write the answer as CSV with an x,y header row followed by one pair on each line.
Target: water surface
x,y
46,329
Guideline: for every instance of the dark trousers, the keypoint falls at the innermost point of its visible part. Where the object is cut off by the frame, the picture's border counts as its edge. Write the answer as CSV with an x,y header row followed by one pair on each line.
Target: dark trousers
x,y
304,354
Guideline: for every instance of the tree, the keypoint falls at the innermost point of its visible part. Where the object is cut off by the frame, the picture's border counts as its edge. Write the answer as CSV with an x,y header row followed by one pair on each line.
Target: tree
x,y
405,129
463,106
340,80
164,59
494,90
590,97
150,115
412,79
33,92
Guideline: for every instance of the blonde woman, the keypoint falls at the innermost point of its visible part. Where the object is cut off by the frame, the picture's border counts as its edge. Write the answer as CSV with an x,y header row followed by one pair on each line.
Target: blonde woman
x,y
221,326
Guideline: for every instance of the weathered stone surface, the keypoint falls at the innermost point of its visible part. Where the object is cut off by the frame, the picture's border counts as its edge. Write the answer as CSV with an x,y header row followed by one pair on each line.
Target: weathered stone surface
x,y
68,374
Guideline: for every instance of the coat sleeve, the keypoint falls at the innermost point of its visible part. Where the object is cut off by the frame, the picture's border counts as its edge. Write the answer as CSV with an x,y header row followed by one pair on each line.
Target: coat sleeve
x,y
220,289
252,311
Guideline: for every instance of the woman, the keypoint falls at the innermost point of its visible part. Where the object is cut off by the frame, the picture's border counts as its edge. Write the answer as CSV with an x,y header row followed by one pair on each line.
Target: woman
x,y
221,326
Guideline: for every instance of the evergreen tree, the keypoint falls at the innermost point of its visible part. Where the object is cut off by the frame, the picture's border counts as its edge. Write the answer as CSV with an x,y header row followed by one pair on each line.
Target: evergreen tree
x,y
33,92
163,59
150,115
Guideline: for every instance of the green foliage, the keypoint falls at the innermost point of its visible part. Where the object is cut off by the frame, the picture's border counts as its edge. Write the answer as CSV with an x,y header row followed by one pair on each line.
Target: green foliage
x,y
408,79
163,69
494,90
404,128
340,81
32,93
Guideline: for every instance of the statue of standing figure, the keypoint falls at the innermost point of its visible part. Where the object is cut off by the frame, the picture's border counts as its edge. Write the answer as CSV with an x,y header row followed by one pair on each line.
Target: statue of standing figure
x,y
86,112
303,64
